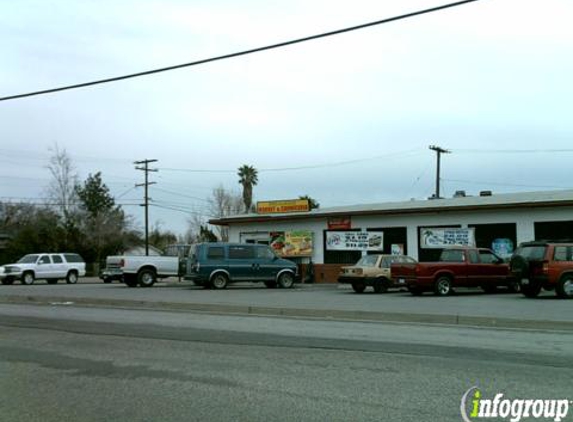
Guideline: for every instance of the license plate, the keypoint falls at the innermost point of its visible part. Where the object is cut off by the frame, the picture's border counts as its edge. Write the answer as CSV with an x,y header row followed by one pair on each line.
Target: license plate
x,y
401,281
524,281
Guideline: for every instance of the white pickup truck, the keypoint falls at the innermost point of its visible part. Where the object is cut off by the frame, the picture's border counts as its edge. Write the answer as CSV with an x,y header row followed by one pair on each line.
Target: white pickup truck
x,y
143,270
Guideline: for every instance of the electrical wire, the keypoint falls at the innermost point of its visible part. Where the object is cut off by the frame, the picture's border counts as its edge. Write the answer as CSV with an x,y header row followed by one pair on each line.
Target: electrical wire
x,y
240,53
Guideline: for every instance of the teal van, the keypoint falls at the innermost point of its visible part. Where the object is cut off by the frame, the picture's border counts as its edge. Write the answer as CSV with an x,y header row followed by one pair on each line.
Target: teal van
x,y
215,265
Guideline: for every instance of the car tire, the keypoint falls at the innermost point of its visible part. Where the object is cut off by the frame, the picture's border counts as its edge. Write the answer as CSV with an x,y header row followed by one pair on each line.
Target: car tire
x,y
358,286
286,280
52,281
564,288
146,277
107,280
219,281
531,290
72,277
380,285
130,280
28,278
443,286
271,284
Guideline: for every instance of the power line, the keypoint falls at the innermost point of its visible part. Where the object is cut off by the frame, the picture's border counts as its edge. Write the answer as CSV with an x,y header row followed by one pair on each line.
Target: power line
x,y
512,151
309,167
240,53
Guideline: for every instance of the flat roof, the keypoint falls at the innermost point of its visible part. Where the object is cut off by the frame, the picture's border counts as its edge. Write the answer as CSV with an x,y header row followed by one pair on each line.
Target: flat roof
x,y
465,203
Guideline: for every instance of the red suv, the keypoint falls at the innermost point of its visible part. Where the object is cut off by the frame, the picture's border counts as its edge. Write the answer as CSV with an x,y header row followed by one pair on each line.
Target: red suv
x,y
547,265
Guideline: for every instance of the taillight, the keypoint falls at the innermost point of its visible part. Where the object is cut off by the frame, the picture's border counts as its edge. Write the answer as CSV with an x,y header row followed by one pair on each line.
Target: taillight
x,y
545,268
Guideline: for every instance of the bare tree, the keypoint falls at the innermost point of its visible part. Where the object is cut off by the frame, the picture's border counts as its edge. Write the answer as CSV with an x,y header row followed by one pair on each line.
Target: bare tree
x,y
223,203
62,187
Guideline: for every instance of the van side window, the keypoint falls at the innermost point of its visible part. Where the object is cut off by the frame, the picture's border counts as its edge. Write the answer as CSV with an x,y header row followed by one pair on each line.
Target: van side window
x,y
216,252
264,253
241,252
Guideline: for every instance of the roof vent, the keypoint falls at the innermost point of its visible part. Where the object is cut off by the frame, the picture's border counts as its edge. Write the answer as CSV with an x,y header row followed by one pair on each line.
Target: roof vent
x,y
460,194
485,193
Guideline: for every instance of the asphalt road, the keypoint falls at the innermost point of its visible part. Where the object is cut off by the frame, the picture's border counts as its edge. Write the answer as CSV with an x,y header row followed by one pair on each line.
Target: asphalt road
x,y
63,363
320,301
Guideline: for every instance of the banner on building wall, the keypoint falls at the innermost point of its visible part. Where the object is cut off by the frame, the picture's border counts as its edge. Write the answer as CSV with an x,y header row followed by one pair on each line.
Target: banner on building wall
x,y
444,237
354,241
339,223
279,207
296,243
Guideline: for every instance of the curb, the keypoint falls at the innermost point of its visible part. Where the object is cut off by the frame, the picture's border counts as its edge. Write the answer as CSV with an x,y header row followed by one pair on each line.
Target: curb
x,y
324,314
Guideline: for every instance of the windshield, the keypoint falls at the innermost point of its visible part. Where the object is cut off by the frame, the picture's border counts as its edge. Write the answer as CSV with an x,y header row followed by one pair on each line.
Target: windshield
x,y
28,259
367,261
531,252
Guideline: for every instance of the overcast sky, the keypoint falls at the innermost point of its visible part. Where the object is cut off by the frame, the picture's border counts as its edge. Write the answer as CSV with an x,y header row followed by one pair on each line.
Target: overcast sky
x,y
489,80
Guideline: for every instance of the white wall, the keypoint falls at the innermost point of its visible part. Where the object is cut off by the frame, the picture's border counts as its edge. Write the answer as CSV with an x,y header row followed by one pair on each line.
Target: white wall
x,y
523,218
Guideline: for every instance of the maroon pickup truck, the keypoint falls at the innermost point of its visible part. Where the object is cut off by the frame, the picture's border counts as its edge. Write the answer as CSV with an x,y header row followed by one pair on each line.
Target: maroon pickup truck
x,y
457,267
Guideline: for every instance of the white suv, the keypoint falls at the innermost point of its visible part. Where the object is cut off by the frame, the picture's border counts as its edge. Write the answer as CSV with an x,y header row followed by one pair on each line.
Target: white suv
x,y
44,266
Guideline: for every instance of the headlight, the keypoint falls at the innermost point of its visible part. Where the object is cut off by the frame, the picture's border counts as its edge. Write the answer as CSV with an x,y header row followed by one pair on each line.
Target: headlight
x,y
11,269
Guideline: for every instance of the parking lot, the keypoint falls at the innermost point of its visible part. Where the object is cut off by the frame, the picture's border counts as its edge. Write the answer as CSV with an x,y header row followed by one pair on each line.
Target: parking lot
x,y
324,301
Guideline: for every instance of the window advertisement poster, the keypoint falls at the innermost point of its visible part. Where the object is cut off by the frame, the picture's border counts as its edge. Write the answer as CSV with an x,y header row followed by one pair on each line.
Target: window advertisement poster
x,y
296,243
354,241
445,237
397,249
502,247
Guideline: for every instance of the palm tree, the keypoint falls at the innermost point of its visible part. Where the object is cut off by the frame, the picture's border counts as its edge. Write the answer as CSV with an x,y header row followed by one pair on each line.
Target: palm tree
x,y
248,177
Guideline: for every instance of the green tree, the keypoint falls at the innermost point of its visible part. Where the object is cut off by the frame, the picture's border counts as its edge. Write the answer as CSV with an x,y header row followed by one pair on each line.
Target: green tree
x,y
248,177
313,204
104,226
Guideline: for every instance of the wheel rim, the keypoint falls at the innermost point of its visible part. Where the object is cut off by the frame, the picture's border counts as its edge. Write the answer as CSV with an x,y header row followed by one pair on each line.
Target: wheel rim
x,y
146,278
28,278
72,278
568,287
286,280
219,282
443,287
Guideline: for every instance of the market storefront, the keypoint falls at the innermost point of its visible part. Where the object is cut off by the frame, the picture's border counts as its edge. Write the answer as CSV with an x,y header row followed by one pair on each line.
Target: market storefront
x,y
331,238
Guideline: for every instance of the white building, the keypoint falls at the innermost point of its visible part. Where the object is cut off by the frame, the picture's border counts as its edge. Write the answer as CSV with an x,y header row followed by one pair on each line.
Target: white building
x,y
491,221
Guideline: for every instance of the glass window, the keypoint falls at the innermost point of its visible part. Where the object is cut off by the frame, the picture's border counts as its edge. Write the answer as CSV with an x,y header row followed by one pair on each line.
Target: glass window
x,y
264,253
452,255
241,252
531,252
368,261
474,257
487,257
73,257
57,259
45,259
28,259
562,253
216,252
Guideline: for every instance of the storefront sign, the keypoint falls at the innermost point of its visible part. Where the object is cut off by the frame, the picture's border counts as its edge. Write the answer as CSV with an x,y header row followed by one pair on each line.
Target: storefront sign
x,y
292,243
278,207
354,241
445,237
339,223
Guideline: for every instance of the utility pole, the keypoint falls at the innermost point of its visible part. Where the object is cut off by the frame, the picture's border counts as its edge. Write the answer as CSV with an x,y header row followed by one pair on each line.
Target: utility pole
x,y
439,152
146,169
